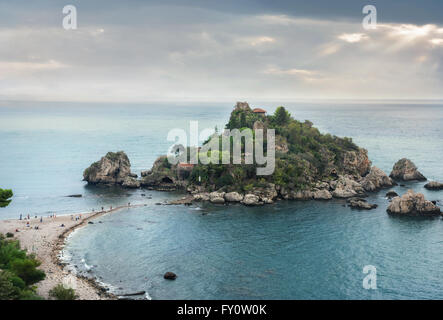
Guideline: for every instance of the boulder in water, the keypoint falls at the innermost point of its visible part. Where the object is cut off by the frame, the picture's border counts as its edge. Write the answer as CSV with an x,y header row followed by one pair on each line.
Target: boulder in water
x,y
170,276
412,203
391,194
434,185
112,169
359,203
405,170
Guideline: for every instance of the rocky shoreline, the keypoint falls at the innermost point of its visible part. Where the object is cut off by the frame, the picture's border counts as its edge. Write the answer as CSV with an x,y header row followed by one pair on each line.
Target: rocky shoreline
x,y
309,165
353,188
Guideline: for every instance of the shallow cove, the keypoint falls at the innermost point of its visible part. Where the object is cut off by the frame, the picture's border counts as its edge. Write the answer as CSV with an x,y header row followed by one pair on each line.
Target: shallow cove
x,y
290,250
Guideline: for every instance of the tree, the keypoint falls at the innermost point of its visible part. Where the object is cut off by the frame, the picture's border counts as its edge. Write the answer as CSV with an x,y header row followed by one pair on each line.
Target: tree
x,y
243,120
5,196
59,292
281,116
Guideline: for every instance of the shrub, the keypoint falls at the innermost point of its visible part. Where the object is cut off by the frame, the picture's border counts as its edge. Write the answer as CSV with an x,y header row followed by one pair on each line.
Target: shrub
x,y
5,196
27,270
9,235
7,289
59,292
17,272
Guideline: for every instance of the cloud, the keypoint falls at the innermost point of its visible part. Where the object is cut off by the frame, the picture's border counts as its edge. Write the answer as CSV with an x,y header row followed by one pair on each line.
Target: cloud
x,y
291,72
353,37
437,42
261,40
218,55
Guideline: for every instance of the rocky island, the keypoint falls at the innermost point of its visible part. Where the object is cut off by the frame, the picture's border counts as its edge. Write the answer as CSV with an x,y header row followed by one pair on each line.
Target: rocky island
x,y
308,165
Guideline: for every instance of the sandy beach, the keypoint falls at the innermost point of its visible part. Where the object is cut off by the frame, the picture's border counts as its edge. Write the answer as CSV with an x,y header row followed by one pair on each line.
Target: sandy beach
x,y
47,241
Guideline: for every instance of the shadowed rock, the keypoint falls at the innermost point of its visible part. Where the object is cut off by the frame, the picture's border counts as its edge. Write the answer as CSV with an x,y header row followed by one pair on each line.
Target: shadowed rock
x,y
434,185
170,276
359,203
391,194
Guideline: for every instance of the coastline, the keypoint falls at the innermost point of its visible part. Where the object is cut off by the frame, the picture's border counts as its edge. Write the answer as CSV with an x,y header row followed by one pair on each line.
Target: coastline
x,y
47,244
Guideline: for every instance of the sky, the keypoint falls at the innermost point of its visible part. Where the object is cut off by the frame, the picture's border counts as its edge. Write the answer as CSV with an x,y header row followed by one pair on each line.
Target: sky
x,y
205,50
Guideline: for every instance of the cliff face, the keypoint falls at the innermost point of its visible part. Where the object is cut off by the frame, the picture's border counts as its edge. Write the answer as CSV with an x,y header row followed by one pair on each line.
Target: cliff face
x,y
113,168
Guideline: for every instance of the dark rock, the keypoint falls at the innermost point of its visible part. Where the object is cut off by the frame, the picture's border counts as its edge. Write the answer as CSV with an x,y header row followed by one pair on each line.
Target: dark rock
x,y
391,194
360,203
170,276
139,293
90,222
434,185
74,196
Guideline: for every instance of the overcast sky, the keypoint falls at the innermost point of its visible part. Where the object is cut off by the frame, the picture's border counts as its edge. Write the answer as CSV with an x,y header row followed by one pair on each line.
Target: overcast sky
x,y
204,50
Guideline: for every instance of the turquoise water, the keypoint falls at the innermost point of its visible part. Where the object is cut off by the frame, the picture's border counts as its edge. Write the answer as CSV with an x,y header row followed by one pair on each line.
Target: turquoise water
x,y
291,250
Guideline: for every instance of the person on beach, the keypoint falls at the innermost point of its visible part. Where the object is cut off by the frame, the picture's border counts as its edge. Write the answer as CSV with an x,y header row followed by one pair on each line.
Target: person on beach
x,y
41,219
29,217
20,216
103,209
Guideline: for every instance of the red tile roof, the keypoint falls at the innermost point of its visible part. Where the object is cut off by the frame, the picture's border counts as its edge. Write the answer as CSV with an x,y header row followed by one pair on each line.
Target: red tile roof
x,y
186,165
259,110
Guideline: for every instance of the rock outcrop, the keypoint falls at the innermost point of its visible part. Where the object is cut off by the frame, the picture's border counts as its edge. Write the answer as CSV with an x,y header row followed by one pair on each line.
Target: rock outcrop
x,y
233,197
321,194
130,182
251,200
412,203
112,169
405,170
217,197
359,203
204,196
391,194
434,185
162,176
357,162
346,187
375,180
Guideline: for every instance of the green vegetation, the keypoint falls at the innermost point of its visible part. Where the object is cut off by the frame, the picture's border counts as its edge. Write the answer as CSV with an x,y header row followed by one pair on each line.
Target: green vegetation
x,y
5,195
59,292
18,272
303,155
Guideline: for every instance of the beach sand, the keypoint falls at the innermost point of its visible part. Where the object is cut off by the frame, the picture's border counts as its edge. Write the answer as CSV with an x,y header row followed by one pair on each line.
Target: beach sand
x,y
47,242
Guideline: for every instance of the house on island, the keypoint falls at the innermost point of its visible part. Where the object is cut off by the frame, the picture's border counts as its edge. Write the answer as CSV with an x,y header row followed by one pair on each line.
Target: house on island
x,y
259,111
184,170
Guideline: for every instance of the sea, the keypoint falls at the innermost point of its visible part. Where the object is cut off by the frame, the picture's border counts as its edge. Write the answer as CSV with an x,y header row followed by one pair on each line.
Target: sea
x,y
288,250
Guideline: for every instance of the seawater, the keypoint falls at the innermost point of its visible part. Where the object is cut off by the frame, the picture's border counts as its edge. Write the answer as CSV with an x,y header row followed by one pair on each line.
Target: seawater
x,y
290,250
